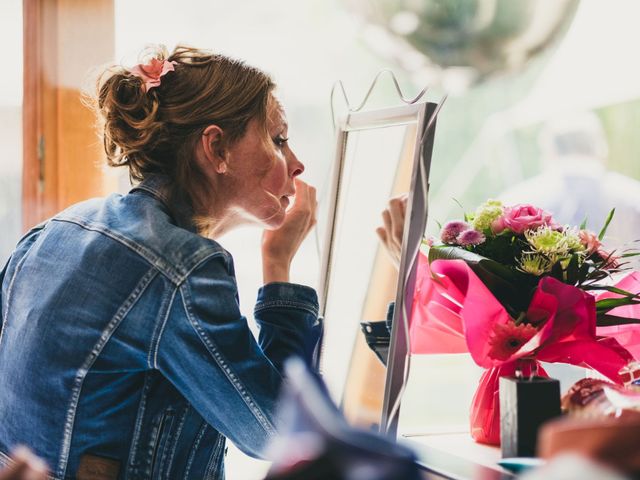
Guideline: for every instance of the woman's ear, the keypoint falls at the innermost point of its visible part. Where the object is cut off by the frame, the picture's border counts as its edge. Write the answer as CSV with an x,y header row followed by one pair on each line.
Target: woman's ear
x,y
212,142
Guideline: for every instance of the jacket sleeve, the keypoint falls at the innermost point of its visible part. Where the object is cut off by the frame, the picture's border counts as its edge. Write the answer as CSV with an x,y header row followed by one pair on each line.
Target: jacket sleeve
x,y
209,353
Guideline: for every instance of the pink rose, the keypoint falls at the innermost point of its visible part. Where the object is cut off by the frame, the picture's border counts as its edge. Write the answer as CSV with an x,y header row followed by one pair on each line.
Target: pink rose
x,y
590,240
520,218
498,225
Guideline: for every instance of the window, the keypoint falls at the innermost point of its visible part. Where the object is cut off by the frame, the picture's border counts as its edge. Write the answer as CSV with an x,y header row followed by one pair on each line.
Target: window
x,y
11,128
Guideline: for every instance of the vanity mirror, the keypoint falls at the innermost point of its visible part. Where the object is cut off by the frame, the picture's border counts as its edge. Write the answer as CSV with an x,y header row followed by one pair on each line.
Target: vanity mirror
x,y
379,154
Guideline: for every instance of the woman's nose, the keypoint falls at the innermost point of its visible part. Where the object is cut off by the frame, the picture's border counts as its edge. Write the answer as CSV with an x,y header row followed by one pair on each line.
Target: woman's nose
x,y
296,167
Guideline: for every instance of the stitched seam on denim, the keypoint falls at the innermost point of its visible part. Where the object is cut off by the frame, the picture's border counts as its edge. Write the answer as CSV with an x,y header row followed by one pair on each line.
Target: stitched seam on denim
x,y
176,275
160,332
287,328
213,459
9,291
149,255
3,314
194,449
222,363
269,304
154,444
166,429
155,193
88,363
215,254
194,261
176,437
138,427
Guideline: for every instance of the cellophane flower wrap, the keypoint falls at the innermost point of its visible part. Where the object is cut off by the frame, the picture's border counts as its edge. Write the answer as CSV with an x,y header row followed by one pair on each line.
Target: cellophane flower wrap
x,y
514,288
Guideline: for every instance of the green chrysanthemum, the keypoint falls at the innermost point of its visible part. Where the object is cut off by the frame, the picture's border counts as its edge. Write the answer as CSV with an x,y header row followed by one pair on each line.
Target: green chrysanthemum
x,y
573,240
547,241
485,214
534,263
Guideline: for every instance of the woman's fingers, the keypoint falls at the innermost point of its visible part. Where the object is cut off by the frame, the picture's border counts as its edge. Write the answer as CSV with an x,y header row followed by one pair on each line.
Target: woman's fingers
x,y
382,234
396,211
392,231
388,225
306,202
25,466
279,246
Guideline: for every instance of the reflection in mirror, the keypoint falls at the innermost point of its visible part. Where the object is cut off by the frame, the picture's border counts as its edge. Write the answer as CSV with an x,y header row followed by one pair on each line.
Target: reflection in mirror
x,y
375,162
362,278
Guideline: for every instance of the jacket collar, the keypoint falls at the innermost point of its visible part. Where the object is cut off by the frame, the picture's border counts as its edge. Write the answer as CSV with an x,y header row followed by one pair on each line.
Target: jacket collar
x,y
159,187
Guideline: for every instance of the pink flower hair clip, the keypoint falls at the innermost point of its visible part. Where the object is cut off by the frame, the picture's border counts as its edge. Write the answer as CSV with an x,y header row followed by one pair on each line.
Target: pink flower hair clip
x,y
152,71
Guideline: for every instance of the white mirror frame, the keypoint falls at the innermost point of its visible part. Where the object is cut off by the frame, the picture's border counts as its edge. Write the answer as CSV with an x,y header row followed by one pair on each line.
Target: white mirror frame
x,y
422,115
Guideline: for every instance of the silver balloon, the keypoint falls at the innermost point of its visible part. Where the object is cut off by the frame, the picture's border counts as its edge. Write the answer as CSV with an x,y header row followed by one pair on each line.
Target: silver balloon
x,y
483,36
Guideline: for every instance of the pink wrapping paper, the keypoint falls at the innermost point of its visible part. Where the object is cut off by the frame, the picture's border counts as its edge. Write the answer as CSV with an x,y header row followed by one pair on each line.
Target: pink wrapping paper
x,y
627,335
454,312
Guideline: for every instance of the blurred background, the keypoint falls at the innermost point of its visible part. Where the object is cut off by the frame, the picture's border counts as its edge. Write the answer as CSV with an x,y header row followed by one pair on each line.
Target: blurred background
x,y
543,107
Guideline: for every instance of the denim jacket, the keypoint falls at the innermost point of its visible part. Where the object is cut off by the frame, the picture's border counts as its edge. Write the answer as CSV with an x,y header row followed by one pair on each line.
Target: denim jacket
x,y
123,353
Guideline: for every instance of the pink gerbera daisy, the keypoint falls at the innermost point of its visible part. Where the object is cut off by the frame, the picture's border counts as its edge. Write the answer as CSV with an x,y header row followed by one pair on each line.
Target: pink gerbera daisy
x,y
508,338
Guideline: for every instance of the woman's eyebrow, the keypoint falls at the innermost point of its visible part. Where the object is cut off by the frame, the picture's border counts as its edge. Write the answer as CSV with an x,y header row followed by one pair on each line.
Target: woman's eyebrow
x,y
281,125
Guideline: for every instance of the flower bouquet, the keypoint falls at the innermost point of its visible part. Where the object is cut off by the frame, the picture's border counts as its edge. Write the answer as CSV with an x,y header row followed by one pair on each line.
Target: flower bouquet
x,y
512,287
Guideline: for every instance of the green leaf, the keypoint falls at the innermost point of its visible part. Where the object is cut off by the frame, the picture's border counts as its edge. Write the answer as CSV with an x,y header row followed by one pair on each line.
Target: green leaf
x,y
609,303
447,252
606,224
459,204
557,272
572,272
606,320
583,273
611,289
583,225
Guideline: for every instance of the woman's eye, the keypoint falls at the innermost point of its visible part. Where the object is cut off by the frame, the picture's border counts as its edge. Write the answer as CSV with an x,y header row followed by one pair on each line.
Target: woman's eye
x,y
280,141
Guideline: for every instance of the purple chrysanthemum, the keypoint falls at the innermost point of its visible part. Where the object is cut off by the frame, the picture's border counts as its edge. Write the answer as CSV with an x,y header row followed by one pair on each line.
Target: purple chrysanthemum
x,y
470,237
451,230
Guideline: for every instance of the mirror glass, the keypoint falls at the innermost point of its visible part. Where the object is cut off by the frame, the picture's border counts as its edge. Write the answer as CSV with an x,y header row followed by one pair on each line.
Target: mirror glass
x,y
362,279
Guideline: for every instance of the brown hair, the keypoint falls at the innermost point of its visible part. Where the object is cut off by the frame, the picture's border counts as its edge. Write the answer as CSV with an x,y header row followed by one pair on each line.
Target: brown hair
x,y
157,131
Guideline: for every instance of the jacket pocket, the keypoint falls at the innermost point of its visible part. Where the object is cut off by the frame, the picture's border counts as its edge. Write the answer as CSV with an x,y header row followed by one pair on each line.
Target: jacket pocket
x,y
162,445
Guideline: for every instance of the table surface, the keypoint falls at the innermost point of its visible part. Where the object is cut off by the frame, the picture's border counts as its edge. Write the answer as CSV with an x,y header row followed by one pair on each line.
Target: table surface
x,y
455,455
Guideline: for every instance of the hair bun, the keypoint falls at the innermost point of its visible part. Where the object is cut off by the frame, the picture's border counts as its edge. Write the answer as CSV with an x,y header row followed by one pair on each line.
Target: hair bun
x,y
130,119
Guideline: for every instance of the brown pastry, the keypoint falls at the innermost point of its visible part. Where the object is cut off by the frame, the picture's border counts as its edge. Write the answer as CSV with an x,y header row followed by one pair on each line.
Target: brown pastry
x,y
582,393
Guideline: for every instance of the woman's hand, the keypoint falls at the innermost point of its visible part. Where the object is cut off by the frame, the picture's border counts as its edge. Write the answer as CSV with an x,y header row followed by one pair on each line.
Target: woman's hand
x,y
25,466
391,233
280,246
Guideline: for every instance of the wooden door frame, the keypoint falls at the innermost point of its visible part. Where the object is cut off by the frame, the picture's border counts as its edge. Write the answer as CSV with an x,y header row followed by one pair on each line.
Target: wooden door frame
x,y
61,152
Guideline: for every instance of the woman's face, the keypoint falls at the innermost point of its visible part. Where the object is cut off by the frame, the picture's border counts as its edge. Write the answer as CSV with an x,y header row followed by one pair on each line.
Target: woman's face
x,y
261,170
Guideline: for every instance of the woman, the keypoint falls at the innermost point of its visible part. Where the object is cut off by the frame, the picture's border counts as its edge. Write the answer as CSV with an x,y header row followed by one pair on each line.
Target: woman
x,y
123,350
